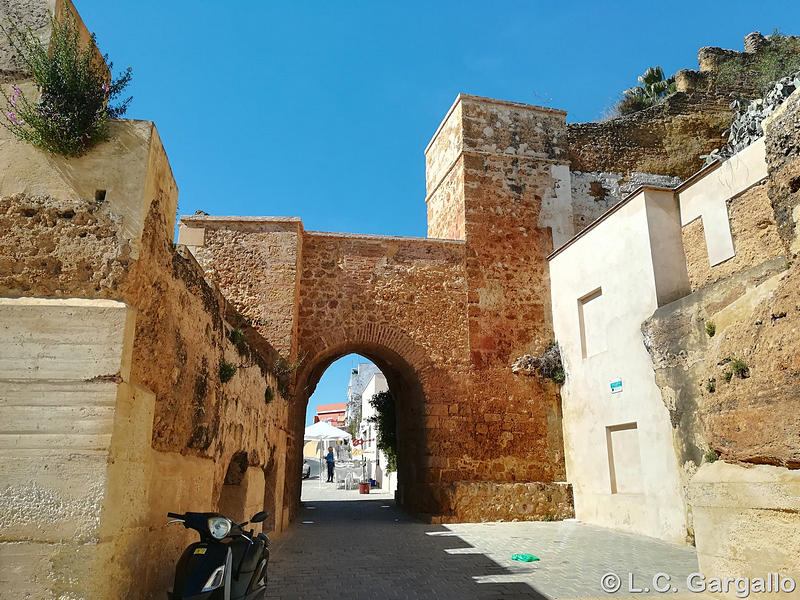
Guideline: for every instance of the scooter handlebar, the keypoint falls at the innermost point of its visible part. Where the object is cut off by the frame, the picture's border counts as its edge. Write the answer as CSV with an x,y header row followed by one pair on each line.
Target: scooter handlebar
x,y
172,515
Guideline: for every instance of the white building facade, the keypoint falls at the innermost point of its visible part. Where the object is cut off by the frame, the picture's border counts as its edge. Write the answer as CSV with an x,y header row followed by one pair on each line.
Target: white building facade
x,y
376,459
618,440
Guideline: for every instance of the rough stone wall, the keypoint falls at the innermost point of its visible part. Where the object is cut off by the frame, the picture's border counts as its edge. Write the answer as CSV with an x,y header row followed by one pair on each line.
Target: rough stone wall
x,y
445,205
400,302
509,151
488,501
731,71
750,419
755,238
666,139
174,454
594,193
404,303
510,154
444,178
255,261
783,160
685,359
182,319
36,15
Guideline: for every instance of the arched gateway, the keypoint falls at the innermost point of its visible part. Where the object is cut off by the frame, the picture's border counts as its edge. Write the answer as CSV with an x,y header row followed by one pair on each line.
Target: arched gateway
x,y
443,316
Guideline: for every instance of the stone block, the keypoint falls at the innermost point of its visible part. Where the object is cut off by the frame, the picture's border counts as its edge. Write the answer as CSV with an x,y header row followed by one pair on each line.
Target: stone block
x,y
746,520
71,339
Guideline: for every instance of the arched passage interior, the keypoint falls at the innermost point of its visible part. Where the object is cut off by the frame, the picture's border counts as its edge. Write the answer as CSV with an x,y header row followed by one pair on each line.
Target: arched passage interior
x,y
404,384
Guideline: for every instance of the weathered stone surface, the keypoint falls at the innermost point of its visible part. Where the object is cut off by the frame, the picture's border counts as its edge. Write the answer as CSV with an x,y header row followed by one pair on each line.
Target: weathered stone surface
x,y
175,424
666,139
685,360
261,273
441,319
783,160
594,193
746,127
504,502
36,15
746,521
754,230
752,302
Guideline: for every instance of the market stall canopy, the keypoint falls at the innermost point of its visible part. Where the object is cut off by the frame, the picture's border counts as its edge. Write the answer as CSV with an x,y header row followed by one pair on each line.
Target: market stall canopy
x,y
325,431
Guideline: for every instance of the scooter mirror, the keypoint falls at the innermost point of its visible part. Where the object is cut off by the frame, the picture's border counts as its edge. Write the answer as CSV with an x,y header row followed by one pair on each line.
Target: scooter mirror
x,y
259,516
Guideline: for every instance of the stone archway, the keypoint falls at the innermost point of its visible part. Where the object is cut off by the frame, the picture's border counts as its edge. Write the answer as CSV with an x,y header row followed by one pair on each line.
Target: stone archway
x,y
444,317
405,374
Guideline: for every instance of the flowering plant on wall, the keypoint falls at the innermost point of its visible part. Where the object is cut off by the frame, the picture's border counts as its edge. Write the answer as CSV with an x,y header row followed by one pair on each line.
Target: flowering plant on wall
x,y
74,105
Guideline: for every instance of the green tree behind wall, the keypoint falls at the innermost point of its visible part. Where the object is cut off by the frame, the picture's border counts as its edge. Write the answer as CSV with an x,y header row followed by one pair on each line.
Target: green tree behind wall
x,y
386,424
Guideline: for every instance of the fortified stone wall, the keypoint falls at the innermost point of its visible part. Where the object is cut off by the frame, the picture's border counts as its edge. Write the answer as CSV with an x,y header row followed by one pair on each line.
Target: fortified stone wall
x,y
442,319
255,260
401,303
666,139
516,201
737,73
669,138
136,423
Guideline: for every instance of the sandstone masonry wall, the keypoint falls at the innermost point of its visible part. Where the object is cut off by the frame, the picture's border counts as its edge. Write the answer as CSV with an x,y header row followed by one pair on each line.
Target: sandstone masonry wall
x,y
255,261
400,302
666,139
442,319
169,428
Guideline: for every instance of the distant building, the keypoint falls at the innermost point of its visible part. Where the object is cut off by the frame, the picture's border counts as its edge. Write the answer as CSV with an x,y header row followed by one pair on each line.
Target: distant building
x,y
332,413
376,459
359,378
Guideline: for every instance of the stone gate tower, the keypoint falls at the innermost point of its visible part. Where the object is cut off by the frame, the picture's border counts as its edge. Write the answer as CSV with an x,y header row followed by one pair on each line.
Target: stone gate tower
x,y
497,177
443,317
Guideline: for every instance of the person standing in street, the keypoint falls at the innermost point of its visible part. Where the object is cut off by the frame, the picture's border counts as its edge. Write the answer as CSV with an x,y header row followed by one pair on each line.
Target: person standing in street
x,y
331,462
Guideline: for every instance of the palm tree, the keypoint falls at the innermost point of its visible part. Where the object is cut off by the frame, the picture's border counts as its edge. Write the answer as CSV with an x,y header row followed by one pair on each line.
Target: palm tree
x,y
651,90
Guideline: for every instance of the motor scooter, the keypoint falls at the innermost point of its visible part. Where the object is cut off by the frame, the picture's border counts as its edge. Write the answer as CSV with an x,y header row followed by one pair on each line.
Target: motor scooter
x,y
228,563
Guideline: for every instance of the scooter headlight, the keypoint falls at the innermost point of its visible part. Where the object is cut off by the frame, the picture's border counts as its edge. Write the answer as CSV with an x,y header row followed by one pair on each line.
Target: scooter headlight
x,y
219,527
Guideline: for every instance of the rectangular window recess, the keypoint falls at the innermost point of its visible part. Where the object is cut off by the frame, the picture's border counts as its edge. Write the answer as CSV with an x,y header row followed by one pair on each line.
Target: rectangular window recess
x,y
582,302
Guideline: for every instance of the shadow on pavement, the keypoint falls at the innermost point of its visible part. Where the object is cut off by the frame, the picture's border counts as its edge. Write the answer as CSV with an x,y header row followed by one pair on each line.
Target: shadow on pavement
x,y
371,549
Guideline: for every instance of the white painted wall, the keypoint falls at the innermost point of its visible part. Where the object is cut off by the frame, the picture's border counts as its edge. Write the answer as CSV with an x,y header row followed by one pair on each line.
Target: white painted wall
x,y
634,256
706,199
377,384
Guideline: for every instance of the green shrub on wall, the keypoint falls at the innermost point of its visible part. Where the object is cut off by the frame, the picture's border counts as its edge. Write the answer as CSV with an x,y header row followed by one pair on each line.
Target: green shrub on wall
x,y
779,57
73,110
226,371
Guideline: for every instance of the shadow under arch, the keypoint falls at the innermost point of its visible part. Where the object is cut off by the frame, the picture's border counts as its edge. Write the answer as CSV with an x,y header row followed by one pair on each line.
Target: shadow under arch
x,y
405,381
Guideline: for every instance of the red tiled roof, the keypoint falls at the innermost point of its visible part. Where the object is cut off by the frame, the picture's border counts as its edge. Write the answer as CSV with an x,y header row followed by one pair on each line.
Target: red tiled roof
x,y
340,407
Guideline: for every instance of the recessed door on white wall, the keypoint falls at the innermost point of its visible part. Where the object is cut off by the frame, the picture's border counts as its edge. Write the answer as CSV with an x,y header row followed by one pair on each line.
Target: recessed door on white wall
x,y
624,459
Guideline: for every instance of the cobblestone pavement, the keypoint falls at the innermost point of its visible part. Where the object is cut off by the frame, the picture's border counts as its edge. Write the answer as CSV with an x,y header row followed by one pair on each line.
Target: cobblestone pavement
x,y
340,548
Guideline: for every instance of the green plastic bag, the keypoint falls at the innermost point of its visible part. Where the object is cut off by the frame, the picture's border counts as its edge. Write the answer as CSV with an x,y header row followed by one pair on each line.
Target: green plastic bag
x,y
524,557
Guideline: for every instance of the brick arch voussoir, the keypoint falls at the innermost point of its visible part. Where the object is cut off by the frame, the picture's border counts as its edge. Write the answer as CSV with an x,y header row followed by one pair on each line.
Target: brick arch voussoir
x,y
382,343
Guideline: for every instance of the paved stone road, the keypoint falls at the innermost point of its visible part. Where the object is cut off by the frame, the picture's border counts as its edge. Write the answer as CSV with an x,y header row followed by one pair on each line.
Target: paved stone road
x,y
353,548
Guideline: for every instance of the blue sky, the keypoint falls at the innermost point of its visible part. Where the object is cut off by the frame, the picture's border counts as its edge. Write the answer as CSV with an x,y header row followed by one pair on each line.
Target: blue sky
x,y
322,110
